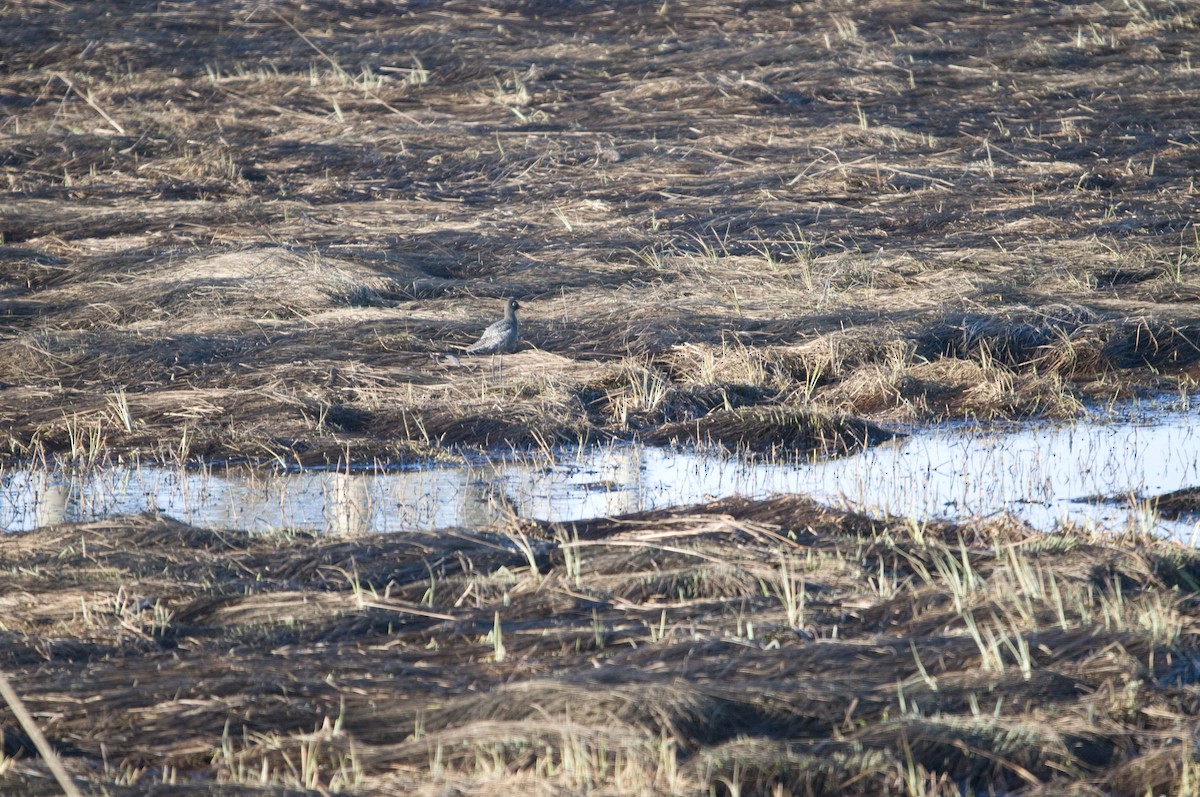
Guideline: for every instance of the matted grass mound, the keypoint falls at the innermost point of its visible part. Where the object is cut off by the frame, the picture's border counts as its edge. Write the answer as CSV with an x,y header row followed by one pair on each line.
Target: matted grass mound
x,y
776,430
1071,340
1177,503
1021,339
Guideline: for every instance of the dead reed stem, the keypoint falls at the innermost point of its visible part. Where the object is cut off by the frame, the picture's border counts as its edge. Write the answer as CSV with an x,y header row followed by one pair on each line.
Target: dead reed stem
x,y
39,739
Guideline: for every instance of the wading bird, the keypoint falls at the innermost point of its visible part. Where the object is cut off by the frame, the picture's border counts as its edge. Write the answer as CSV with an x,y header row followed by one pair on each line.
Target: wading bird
x,y
501,336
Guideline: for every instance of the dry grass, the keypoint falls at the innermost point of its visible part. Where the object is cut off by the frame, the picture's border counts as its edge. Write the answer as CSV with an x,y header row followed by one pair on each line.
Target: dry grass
x,y
739,647
775,432
270,239
234,230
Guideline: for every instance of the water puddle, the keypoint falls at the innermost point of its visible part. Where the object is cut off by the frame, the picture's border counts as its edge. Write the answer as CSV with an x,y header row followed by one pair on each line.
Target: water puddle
x,y
1035,471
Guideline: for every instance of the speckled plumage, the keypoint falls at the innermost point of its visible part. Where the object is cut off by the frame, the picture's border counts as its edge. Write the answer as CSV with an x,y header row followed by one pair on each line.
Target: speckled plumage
x,y
501,336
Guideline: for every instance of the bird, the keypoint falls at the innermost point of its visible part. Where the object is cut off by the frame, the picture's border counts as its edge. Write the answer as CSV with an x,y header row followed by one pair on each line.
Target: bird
x,y
501,336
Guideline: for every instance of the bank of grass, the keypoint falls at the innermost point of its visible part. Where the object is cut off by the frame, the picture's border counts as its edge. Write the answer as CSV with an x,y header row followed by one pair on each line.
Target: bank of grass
x,y
825,397
738,647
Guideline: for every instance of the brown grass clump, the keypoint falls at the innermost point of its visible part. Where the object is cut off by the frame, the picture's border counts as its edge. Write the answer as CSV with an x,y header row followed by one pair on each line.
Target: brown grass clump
x,y
1072,341
778,430
1025,339
741,646
1177,503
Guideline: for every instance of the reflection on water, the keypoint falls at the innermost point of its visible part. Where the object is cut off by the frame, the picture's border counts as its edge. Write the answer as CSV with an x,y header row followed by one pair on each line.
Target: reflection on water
x,y
1032,470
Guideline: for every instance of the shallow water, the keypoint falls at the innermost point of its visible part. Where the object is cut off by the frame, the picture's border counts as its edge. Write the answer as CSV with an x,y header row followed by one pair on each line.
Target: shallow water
x,y
1036,471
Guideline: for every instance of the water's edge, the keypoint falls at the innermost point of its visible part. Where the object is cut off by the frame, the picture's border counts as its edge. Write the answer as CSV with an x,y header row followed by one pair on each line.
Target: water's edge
x,y
1041,472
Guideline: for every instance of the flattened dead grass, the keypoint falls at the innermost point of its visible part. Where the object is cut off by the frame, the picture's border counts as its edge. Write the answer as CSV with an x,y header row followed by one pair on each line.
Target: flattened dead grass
x,y
777,431
754,646
809,205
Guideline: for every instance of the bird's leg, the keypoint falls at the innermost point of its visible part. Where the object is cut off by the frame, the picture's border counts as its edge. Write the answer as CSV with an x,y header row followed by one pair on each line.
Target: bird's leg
x,y
493,372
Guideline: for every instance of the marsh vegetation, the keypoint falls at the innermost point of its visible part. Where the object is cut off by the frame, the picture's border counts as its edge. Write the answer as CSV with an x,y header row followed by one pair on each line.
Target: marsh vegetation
x,y
737,647
232,231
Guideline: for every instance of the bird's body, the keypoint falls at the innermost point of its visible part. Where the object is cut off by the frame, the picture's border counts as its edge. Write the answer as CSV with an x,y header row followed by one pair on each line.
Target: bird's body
x,y
501,336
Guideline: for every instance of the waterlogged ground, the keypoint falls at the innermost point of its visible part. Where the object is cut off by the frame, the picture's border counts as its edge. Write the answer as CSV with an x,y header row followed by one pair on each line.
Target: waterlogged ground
x,y
1092,473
